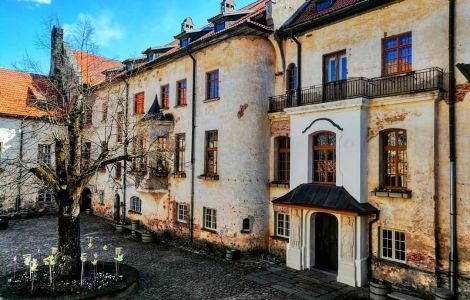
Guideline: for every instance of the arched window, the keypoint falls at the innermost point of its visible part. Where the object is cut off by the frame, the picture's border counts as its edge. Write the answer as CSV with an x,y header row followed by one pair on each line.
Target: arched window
x,y
136,204
283,158
324,158
394,159
291,83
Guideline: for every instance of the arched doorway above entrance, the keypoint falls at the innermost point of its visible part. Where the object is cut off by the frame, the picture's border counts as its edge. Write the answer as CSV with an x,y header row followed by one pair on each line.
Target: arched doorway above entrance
x,y
324,241
85,199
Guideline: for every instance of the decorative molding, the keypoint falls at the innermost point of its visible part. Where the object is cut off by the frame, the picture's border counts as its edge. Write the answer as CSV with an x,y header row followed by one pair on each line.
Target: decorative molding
x,y
323,119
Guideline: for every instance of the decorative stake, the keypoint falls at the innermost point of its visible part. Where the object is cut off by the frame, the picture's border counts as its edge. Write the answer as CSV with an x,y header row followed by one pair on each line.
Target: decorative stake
x,y
119,258
83,258
94,262
33,269
90,242
105,249
27,262
15,258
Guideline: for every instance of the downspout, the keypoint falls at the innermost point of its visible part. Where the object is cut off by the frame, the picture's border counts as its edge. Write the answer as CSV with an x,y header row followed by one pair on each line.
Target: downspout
x,y
193,143
299,67
126,127
369,257
20,174
453,255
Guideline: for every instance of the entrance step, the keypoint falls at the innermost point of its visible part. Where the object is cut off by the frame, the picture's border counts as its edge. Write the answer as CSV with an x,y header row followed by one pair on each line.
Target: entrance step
x,y
401,296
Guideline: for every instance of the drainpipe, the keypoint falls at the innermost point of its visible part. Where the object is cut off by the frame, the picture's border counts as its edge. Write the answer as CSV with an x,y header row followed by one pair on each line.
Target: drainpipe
x,y
453,255
299,67
126,127
20,174
193,142
369,258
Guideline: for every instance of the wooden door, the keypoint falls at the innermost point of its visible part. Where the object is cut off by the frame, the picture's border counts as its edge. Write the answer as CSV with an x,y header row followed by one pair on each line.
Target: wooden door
x,y
326,242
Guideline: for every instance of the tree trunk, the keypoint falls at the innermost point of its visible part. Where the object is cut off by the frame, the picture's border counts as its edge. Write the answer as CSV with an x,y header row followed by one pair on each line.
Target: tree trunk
x,y
69,264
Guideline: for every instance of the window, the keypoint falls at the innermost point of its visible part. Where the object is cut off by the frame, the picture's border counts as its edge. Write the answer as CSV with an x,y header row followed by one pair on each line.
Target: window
x,y
181,92
282,225
185,42
291,77
139,103
120,126
165,92
324,158
182,213
246,225
88,117
104,110
211,152
210,218
136,205
322,5
394,159
86,154
213,84
335,67
139,163
180,145
283,158
44,154
161,166
219,26
118,170
1,149
397,54
101,194
150,57
393,244
45,196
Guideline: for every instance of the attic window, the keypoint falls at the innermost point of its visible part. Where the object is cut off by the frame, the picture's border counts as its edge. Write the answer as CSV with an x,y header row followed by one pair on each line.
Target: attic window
x,y
150,57
184,42
322,5
219,26
129,67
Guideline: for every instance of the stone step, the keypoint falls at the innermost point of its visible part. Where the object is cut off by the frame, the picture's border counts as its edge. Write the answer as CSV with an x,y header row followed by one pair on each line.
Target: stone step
x,y
401,296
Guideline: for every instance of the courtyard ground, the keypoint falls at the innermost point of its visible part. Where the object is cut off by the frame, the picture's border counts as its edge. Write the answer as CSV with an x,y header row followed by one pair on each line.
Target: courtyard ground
x,y
170,273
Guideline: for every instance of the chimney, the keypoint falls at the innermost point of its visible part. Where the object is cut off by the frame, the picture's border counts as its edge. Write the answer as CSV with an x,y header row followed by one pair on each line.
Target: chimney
x,y
187,25
278,12
227,5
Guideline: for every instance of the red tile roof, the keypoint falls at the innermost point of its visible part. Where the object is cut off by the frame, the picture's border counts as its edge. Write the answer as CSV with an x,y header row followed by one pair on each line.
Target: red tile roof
x,y
92,66
17,89
308,12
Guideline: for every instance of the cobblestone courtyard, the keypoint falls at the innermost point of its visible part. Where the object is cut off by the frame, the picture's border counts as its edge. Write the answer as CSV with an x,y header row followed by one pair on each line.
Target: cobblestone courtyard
x,y
170,273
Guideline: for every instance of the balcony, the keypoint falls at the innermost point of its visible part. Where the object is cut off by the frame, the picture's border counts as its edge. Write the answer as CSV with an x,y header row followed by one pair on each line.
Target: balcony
x,y
412,82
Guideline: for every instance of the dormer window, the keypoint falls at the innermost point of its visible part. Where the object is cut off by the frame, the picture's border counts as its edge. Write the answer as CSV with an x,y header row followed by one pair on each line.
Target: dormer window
x,y
322,5
150,57
185,42
129,67
219,26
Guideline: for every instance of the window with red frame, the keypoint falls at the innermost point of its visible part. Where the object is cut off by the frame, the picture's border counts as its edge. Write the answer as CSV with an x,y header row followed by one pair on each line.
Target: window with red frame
x,y
165,92
395,163
397,54
211,152
283,158
324,158
139,103
181,92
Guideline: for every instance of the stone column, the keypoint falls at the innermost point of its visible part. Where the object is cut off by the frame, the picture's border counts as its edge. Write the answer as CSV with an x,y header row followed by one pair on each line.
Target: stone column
x,y
347,243
294,248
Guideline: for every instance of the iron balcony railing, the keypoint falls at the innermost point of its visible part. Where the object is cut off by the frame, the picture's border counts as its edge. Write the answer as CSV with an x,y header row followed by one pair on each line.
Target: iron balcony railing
x,y
412,82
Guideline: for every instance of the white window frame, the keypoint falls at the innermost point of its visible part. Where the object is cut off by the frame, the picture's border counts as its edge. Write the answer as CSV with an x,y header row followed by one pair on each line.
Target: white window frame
x,y
45,157
101,197
136,204
44,195
284,230
210,218
182,213
393,248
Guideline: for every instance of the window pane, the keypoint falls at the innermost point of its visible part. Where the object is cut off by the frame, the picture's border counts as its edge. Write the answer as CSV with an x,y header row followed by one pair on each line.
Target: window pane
x,y
391,43
343,68
332,69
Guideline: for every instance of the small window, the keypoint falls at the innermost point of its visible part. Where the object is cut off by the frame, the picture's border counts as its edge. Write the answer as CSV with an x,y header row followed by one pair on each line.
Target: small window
x,y
136,204
182,213
44,154
101,197
213,84
180,148
88,117
393,244
185,42
138,149
210,218
118,171
150,57
86,154
45,196
247,225
324,158
394,159
212,138
119,127
397,54
322,5
165,92
292,77
139,103
104,111
282,225
182,92
283,159
219,26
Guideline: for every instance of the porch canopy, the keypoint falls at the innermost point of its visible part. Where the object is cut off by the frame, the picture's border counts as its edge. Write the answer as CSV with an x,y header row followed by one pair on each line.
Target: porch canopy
x,y
325,198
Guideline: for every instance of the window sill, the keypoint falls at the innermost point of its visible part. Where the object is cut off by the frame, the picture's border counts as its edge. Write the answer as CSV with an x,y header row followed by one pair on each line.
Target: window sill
x,y
211,99
165,108
392,262
280,184
182,222
159,174
101,204
134,212
178,175
209,230
209,177
245,231
392,194
180,105
279,238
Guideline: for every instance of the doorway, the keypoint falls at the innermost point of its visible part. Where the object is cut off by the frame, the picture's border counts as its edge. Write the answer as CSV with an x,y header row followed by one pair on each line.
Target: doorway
x,y
326,242
85,201
117,208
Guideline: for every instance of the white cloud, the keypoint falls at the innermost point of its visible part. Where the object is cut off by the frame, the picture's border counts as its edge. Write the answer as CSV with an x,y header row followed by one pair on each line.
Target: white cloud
x,y
37,2
105,30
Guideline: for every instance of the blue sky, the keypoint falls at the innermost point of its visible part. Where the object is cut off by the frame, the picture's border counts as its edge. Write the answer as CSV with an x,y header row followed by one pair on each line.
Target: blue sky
x,y
123,28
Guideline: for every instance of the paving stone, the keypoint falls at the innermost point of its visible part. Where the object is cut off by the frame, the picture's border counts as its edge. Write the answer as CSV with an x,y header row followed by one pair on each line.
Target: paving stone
x,y
284,289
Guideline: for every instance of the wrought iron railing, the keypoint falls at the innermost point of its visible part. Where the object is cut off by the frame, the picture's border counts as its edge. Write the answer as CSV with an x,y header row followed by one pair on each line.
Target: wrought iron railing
x,y
411,82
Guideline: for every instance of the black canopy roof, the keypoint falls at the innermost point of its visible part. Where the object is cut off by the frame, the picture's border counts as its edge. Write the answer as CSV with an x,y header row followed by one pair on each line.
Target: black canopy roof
x,y
329,197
